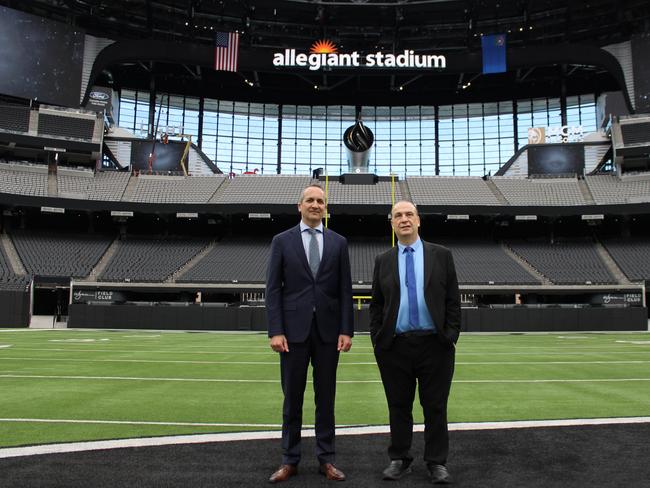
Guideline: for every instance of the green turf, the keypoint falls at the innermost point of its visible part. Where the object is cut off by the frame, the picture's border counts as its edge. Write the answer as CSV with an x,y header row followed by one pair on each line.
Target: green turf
x,y
219,378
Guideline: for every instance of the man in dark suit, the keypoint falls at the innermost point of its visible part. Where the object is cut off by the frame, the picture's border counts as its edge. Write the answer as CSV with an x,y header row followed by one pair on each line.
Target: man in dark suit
x,y
310,318
414,326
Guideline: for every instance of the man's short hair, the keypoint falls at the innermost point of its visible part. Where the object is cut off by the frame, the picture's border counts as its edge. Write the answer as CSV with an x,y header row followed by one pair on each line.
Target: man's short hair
x,y
313,185
404,201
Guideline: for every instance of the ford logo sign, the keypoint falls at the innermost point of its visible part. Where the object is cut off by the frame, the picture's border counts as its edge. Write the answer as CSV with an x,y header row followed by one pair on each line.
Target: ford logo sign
x,y
97,95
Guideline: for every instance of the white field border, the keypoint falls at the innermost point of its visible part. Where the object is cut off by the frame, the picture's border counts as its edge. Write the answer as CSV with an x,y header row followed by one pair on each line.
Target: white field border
x,y
12,452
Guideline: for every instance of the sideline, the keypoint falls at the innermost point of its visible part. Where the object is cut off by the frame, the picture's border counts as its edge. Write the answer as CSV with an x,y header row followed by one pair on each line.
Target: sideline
x,y
247,436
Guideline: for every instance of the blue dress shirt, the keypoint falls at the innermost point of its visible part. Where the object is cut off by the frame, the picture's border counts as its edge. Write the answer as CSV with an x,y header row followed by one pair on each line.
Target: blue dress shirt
x,y
426,322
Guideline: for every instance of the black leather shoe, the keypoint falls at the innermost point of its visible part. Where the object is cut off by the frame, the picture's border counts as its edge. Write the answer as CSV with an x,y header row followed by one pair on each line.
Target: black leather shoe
x,y
438,474
397,468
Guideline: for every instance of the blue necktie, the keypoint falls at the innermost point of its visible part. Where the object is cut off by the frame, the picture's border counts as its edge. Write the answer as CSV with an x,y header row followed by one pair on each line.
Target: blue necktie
x,y
414,319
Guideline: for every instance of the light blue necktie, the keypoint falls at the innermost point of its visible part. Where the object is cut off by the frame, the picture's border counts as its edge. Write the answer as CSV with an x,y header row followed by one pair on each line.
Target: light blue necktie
x,y
414,319
314,254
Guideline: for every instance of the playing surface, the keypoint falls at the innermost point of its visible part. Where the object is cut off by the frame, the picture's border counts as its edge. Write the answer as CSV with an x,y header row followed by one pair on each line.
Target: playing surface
x,y
76,385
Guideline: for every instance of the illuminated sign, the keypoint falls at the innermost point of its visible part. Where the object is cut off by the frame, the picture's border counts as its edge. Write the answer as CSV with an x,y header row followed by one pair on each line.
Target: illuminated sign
x,y
565,133
324,54
536,135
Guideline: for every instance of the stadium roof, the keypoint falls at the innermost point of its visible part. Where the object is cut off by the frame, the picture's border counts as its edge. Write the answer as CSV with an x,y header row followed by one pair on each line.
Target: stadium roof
x,y
547,41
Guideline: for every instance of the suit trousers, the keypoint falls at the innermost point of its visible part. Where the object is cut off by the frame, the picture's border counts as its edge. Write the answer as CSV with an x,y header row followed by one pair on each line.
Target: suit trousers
x,y
425,361
293,369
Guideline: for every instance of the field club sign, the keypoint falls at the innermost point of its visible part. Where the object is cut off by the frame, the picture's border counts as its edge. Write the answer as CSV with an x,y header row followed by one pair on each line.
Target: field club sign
x,y
323,54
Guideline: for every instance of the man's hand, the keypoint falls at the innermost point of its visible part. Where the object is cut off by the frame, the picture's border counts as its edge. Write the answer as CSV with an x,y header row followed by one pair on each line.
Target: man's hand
x,y
345,343
279,343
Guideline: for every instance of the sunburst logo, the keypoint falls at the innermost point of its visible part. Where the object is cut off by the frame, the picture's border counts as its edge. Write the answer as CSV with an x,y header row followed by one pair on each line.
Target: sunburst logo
x,y
324,46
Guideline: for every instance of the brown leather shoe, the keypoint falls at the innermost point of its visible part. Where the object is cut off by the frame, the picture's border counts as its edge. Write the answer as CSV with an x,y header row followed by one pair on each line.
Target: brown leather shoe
x,y
284,472
331,472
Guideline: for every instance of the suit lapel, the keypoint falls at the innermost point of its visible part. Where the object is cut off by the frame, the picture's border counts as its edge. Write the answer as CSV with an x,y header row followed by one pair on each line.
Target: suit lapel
x,y
327,247
427,255
394,266
300,249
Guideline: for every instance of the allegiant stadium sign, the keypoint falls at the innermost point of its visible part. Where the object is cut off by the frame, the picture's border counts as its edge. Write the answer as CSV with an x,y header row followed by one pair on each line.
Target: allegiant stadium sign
x,y
323,54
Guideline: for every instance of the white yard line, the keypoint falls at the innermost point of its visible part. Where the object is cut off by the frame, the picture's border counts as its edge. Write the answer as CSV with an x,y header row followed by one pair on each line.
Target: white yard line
x,y
536,352
276,362
228,380
142,422
249,436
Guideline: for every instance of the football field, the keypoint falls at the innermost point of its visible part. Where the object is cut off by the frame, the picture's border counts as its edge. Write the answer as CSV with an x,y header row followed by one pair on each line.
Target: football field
x,y
79,385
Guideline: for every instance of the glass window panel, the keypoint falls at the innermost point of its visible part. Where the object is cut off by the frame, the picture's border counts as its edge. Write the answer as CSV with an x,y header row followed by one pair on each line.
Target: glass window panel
x,y
474,138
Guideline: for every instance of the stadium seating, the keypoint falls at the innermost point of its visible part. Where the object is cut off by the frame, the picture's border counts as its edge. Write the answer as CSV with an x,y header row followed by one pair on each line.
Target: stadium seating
x,y
262,189
486,263
8,279
433,190
243,260
23,179
540,191
75,183
150,259
476,262
175,189
635,133
31,179
14,118
69,127
84,184
377,194
109,186
231,261
59,255
568,262
610,189
632,256
362,257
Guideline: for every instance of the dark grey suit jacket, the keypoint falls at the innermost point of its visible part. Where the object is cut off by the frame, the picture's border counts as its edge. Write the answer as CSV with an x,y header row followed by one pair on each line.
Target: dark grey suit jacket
x,y
292,292
440,292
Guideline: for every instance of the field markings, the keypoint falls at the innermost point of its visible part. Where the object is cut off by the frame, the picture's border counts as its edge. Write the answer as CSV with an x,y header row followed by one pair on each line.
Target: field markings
x,y
342,363
11,452
229,380
142,422
536,352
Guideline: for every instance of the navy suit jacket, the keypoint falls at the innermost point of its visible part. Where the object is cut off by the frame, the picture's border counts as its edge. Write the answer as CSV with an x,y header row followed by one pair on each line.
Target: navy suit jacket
x,y
293,293
440,293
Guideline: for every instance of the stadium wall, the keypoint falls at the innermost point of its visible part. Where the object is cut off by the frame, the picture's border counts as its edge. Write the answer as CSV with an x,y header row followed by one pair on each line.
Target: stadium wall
x,y
148,315
15,305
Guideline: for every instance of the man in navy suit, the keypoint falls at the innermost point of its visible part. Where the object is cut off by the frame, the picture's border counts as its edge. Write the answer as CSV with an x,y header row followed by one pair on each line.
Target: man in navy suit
x,y
309,308
414,326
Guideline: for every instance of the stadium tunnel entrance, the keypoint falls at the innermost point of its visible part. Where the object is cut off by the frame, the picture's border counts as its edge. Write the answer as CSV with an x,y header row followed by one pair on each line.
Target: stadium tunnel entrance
x,y
50,299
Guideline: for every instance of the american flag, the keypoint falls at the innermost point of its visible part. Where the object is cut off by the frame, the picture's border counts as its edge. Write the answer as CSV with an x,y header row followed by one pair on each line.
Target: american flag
x,y
226,51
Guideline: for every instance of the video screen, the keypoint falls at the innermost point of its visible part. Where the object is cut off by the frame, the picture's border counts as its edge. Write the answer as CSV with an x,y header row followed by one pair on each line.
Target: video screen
x,y
556,159
167,157
40,59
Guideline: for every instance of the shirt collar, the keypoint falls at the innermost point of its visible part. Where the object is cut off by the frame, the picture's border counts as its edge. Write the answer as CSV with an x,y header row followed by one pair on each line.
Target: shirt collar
x,y
304,227
415,246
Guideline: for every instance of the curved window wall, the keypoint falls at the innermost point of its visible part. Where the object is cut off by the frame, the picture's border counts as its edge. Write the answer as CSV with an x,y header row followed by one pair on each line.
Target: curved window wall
x,y
472,139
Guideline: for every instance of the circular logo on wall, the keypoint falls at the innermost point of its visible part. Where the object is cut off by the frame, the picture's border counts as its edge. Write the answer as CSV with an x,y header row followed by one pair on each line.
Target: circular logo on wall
x,y
534,135
100,96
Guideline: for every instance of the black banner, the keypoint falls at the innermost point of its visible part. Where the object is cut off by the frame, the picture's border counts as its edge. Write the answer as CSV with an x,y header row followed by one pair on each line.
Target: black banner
x,y
108,296
621,299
